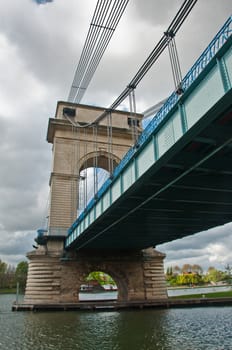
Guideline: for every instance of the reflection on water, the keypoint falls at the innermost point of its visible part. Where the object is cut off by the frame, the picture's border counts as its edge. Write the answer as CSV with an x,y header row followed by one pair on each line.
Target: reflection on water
x,y
168,329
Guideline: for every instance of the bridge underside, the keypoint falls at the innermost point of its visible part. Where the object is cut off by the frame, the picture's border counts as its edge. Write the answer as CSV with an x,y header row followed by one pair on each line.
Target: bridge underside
x,y
186,191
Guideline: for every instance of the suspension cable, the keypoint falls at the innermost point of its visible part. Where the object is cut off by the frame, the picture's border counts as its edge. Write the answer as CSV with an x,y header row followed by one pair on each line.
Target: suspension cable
x,y
45,217
79,185
72,195
91,39
85,170
103,24
99,51
95,162
133,120
109,143
175,64
154,55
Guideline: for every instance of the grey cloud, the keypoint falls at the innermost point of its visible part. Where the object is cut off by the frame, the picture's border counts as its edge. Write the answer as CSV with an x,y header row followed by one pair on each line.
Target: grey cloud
x,y
15,245
25,159
183,254
203,237
204,248
20,209
156,12
43,45
5,129
23,156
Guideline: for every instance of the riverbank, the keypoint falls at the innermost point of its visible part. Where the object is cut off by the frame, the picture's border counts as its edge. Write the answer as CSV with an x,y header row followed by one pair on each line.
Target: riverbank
x,y
172,302
108,301
227,294
198,290
8,291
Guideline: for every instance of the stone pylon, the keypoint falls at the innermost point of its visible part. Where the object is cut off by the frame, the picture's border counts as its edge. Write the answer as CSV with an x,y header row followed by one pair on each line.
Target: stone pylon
x,y
79,144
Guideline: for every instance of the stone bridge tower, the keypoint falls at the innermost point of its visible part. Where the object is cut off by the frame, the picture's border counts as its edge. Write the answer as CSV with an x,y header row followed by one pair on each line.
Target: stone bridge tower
x,y
78,144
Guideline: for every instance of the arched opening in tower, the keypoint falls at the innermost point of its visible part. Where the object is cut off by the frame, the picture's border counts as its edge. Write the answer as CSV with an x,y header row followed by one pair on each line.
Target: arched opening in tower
x,y
91,180
98,285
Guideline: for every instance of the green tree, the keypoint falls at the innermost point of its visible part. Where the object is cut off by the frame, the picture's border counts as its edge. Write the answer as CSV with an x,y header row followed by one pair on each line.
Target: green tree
x,y
197,269
214,275
169,271
176,270
21,274
189,279
3,269
10,277
186,268
171,276
101,277
7,273
228,269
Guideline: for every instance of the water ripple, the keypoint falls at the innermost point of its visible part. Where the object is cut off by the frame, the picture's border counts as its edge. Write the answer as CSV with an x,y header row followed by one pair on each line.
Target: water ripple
x,y
170,329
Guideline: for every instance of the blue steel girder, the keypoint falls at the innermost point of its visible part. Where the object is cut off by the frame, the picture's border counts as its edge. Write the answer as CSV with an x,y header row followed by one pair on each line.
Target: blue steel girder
x,y
184,189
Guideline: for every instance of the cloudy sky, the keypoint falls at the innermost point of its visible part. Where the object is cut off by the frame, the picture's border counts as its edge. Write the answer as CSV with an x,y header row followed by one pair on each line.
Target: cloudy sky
x,y
40,44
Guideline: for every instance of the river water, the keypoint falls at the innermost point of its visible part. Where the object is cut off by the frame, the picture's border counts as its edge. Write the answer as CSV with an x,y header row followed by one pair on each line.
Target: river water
x,y
208,328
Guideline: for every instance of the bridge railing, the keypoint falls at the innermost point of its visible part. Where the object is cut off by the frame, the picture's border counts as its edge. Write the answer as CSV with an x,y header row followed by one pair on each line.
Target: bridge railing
x,y
219,40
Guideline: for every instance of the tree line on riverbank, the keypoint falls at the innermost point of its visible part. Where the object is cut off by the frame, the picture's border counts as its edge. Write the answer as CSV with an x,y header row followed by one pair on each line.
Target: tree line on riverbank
x,y
186,275
193,275
10,276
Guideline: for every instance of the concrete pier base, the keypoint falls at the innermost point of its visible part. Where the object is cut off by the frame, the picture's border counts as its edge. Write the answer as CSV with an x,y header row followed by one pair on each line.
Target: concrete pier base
x,y
55,277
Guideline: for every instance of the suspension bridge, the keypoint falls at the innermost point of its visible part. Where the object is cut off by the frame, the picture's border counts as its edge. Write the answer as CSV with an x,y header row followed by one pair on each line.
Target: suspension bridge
x,y
170,180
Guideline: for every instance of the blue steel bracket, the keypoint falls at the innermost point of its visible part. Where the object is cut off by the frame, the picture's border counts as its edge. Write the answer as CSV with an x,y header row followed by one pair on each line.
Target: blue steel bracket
x,y
41,238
